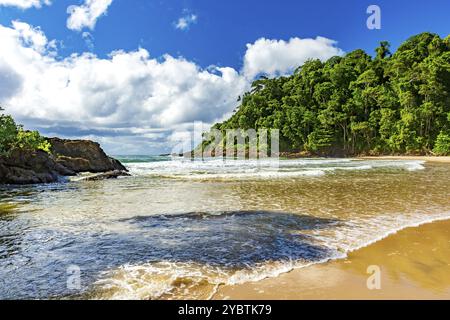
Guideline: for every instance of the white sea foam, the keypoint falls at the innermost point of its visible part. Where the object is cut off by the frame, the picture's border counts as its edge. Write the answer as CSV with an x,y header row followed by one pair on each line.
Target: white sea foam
x,y
262,169
181,280
170,280
250,175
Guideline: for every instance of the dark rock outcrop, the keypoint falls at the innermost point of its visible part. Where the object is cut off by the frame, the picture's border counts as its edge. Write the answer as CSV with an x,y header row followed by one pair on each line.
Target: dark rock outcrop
x,y
105,175
68,158
26,167
83,156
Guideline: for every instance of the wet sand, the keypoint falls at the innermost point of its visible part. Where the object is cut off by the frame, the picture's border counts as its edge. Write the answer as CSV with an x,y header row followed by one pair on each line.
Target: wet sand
x,y
423,158
414,264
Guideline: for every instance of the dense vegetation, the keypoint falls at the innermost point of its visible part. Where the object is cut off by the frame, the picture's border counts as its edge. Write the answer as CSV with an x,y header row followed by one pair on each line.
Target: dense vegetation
x,y
357,104
14,137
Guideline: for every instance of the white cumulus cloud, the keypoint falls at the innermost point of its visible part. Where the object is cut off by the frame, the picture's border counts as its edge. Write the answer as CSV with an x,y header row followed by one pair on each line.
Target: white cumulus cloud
x,y
278,57
33,37
130,101
86,15
24,4
118,94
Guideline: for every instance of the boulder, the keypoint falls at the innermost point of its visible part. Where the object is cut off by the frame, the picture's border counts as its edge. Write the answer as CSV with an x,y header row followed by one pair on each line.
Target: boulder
x,y
27,167
83,156
103,176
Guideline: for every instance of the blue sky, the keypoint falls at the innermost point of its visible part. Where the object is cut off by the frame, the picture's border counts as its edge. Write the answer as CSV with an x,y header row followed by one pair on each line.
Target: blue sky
x,y
224,27
176,35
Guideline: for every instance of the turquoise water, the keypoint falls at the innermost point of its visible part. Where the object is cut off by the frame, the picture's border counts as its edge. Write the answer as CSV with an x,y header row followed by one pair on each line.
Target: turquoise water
x,y
141,158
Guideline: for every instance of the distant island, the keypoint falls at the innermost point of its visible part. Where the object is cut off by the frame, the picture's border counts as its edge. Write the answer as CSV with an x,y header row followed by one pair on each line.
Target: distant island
x,y
395,103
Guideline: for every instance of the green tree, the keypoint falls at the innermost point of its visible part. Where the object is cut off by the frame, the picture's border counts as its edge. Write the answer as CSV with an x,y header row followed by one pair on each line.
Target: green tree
x,y
395,102
14,137
442,146
8,133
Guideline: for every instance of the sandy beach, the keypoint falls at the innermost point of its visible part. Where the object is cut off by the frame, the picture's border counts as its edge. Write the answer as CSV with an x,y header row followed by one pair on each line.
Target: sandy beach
x,y
414,263
193,230
423,158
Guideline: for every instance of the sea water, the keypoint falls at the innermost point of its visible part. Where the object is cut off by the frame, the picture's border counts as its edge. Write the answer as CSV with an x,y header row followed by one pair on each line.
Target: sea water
x,y
179,228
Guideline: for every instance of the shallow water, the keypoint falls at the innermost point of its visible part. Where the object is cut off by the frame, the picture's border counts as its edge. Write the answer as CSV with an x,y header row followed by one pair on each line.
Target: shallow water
x,y
178,229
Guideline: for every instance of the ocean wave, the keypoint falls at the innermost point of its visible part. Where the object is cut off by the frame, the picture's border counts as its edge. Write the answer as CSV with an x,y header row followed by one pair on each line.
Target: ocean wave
x,y
177,280
190,280
248,175
262,169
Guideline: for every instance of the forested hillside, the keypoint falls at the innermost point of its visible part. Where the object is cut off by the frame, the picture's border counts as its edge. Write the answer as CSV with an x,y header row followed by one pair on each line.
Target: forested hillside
x,y
391,103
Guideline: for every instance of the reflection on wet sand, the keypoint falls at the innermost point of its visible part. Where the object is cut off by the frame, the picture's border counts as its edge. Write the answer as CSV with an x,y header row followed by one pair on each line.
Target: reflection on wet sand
x,y
415,264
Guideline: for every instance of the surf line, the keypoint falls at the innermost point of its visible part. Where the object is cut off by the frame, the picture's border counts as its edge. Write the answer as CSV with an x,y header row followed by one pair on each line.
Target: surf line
x,y
189,310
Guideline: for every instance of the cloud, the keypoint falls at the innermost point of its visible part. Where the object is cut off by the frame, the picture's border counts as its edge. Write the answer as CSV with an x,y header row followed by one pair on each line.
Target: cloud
x,y
186,21
124,91
11,81
88,40
130,102
86,15
24,4
33,37
279,57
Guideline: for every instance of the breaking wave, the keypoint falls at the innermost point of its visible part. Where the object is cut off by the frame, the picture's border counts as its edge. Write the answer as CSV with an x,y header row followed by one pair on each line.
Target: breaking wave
x,y
200,280
260,169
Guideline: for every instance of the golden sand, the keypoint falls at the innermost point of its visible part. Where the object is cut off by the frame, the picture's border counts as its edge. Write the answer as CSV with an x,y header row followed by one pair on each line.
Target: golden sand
x,y
414,264
423,158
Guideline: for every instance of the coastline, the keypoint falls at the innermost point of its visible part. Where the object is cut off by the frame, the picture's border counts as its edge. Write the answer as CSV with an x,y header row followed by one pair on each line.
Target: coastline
x,y
414,263
440,159
427,158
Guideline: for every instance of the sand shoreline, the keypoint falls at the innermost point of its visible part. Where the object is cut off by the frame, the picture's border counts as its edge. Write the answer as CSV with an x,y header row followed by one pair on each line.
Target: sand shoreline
x,y
414,264
435,159
422,158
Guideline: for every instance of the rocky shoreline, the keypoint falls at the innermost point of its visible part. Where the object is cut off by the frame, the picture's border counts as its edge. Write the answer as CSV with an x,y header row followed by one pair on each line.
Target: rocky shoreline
x,y
67,158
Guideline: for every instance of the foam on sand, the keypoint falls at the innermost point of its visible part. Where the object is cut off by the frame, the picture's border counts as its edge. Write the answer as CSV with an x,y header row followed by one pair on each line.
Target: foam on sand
x,y
190,280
